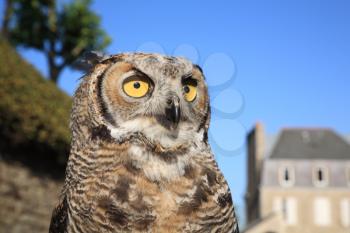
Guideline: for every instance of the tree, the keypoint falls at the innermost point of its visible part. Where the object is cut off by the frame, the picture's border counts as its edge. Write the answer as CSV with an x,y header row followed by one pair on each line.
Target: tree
x,y
62,32
7,17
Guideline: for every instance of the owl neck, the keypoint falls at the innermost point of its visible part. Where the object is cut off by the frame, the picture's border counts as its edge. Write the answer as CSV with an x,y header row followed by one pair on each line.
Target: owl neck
x,y
160,163
160,147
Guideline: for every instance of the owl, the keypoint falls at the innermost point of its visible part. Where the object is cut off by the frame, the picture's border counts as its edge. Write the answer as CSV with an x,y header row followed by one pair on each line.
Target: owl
x,y
140,159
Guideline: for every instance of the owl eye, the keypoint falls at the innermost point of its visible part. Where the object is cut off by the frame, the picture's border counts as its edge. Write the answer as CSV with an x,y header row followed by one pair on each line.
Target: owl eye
x,y
189,89
136,86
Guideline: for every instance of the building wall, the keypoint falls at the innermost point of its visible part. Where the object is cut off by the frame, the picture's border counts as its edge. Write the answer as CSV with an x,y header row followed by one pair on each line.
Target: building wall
x,y
270,224
337,172
304,204
27,199
273,205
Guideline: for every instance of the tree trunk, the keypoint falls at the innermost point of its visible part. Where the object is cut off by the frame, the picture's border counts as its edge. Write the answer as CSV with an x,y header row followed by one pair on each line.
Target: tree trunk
x,y
7,16
54,73
54,69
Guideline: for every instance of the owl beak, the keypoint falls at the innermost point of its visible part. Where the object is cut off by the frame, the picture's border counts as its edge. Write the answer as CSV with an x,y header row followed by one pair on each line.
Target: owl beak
x,y
172,111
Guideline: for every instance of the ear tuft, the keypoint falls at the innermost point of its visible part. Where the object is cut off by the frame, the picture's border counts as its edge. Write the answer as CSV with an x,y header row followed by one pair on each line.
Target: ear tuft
x,y
198,67
89,59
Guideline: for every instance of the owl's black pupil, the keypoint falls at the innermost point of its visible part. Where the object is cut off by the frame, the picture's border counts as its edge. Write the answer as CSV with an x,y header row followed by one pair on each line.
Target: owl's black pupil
x,y
186,89
137,85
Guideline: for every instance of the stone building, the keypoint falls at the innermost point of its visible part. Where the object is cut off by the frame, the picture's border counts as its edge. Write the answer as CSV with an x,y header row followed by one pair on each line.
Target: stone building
x,y
298,181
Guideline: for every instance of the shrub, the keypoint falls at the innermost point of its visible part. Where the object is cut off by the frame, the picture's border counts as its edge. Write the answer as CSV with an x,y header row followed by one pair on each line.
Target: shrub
x,y
34,113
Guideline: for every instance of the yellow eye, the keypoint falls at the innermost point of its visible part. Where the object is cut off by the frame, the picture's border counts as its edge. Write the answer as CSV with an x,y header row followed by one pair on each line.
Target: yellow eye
x,y
136,86
190,89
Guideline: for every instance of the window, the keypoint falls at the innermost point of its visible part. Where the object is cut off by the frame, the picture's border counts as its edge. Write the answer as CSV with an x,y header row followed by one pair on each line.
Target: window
x,y
288,207
322,211
290,213
286,176
345,212
320,176
348,175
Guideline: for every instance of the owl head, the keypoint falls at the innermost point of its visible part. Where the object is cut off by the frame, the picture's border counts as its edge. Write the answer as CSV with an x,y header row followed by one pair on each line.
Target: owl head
x,y
163,98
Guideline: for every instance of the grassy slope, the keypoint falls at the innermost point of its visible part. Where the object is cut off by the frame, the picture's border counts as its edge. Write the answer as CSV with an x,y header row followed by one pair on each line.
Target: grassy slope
x,y
34,143
34,113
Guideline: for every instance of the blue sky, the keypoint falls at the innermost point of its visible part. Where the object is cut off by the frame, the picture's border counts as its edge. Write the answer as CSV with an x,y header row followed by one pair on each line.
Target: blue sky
x,y
287,62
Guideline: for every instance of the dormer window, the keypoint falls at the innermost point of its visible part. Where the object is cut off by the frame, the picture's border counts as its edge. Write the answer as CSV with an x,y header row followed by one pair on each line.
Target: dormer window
x,y
320,176
286,176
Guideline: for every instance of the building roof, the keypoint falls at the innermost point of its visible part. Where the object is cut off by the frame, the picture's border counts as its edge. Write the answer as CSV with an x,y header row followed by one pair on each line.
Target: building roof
x,y
310,144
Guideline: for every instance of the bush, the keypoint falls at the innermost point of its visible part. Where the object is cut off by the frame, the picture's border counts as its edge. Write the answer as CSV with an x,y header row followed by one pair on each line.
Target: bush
x,y
34,113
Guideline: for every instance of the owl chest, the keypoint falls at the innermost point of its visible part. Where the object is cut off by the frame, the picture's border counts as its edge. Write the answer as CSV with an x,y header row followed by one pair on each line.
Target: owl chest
x,y
139,193
122,200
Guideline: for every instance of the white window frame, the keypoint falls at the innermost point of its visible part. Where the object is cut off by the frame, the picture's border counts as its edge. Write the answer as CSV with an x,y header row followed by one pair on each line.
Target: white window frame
x,y
290,210
322,210
291,175
345,212
325,176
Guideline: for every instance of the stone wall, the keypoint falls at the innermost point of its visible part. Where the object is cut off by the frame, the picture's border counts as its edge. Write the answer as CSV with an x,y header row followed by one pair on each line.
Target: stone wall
x,y
26,199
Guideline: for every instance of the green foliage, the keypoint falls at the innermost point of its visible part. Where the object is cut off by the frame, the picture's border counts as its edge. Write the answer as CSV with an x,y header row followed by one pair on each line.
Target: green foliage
x,y
79,30
34,113
31,27
62,32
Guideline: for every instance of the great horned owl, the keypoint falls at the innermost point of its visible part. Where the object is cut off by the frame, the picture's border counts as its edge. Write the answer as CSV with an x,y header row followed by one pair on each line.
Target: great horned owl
x,y
140,159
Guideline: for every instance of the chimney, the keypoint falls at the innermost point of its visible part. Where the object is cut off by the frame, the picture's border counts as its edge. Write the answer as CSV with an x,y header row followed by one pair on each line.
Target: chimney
x,y
255,150
259,149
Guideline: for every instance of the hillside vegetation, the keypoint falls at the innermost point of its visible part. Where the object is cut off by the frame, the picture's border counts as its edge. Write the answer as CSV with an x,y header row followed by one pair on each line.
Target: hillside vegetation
x,y
34,114
34,144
